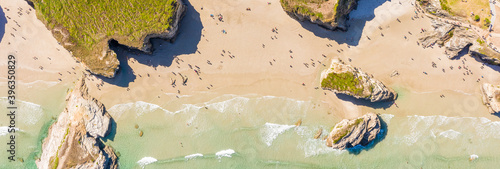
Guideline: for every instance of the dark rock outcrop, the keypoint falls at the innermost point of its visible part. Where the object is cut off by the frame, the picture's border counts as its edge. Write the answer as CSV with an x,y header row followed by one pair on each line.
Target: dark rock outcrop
x,y
366,88
349,133
73,141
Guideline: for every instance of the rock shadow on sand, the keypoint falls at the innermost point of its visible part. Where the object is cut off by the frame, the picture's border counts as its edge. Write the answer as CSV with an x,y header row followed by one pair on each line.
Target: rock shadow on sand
x,y
186,42
356,23
380,136
363,102
3,22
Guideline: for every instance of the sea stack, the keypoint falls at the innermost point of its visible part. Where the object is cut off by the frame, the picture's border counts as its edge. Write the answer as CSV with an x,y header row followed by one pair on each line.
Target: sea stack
x,y
74,140
331,15
349,133
349,80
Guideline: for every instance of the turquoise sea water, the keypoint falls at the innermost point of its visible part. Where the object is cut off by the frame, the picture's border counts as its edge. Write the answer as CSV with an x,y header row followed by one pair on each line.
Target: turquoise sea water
x,y
255,131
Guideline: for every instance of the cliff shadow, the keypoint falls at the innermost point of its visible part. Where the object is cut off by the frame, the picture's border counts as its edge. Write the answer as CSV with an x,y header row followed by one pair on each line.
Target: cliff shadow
x,y
112,131
164,52
380,136
3,22
363,102
355,24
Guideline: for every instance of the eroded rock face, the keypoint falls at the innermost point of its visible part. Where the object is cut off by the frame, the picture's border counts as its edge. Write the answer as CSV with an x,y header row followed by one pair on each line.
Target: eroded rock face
x,y
335,16
359,131
491,97
366,88
73,141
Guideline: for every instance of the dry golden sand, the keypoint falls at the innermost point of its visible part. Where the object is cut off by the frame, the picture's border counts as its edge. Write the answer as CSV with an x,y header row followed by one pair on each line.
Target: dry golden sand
x,y
250,72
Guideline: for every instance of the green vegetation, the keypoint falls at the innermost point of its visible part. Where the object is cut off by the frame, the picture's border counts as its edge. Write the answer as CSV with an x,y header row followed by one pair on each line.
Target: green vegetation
x,y
487,22
481,42
444,6
310,8
477,18
472,11
84,27
360,120
451,33
343,133
343,82
55,162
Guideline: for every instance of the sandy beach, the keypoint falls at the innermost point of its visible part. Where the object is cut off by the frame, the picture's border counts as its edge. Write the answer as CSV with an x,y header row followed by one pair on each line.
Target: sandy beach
x,y
243,56
240,64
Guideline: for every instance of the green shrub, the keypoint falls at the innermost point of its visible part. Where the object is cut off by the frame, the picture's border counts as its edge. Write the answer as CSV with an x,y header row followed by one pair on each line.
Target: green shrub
x,y
343,82
477,18
487,22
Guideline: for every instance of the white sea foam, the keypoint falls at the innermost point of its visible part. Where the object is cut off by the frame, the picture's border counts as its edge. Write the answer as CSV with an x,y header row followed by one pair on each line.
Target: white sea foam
x,y
4,130
451,134
139,108
146,161
37,82
233,105
271,131
448,127
387,118
314,147
192,156
28,113
224,153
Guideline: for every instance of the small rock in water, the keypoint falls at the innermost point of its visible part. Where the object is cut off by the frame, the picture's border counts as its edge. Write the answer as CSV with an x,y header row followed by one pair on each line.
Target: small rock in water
x,y
318,134
136,126
298,123
20,159
140,133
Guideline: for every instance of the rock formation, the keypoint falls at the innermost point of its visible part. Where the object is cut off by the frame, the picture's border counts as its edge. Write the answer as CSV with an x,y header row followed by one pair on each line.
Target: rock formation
x,y
99,58
456,39
331,14
491,97
349,133
346,79
73,141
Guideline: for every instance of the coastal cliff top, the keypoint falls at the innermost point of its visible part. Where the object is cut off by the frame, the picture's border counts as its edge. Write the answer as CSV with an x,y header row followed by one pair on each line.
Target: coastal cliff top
x,y
84,27
320,9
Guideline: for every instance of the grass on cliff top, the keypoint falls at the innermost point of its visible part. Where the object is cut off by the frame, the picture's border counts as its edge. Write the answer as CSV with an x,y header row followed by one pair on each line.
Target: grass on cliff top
x,y
91,23
464,9
309,7
343,82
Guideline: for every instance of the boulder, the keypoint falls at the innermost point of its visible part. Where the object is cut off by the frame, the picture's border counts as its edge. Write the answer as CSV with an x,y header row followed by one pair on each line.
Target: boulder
x,y
349,133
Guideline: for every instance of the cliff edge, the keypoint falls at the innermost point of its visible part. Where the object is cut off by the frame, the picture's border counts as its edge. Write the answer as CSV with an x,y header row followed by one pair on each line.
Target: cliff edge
x,y
87,30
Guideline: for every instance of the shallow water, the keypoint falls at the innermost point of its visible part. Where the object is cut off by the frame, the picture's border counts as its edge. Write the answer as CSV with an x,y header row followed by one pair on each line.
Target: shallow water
x,y
254,131
261,133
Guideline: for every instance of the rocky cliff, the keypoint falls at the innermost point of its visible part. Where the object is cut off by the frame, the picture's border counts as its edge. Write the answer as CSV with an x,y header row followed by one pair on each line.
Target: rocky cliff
x,y
74,140
349,133
456,39
87,36
330,14
346,79
491,97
